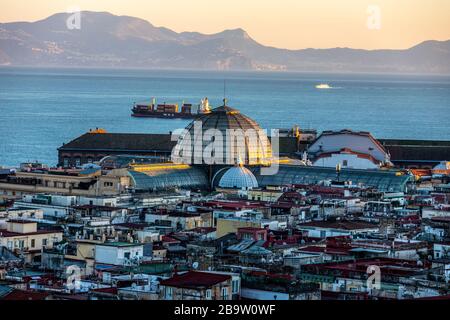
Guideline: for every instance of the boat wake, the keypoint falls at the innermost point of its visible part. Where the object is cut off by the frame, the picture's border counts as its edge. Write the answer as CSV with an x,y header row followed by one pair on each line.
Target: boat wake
x,y
325,86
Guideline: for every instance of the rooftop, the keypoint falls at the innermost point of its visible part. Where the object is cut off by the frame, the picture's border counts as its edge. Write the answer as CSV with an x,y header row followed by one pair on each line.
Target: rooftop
x,y
169,176
120,142
119,244
195,280
343,225
6,233
383,180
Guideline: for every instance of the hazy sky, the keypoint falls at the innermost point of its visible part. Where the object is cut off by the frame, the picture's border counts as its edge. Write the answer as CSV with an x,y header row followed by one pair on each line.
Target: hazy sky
x,y
293,24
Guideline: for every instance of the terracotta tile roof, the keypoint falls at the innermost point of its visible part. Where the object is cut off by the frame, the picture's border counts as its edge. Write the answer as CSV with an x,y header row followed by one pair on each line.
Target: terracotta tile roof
x,y
111,290
313,249
19,295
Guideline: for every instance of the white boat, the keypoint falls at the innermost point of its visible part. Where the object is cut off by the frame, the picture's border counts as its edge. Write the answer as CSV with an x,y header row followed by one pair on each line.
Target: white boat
x,y
323,86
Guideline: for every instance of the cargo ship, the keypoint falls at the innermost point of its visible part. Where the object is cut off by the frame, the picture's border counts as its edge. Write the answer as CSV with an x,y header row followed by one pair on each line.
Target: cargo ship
x,y
170,111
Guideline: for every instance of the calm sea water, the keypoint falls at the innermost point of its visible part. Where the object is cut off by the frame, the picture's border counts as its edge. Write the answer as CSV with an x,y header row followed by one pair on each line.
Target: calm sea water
x,y
42,108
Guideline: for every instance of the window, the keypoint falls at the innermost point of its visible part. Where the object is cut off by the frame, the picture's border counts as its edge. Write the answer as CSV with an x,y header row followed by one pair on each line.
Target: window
x,y
127,255
208,294
44,242
224,293
78,162
33,243
345,163
66,162
235,286
169,293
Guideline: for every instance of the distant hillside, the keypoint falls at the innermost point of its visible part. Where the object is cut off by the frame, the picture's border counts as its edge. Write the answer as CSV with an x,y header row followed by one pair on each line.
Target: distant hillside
x,y
106,40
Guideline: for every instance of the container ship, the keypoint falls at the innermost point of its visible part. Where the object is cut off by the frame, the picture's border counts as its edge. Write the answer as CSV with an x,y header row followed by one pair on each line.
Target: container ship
x,y
170,111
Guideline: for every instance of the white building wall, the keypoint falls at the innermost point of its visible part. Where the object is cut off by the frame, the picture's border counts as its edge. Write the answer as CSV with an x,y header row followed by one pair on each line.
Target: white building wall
x,y
352,160
441,250
358,143
116,255
106,255
263,295
152,218
323,233
48,210
98,201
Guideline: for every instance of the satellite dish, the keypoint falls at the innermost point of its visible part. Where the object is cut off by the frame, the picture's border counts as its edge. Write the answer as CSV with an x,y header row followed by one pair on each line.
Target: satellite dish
x,y
195,265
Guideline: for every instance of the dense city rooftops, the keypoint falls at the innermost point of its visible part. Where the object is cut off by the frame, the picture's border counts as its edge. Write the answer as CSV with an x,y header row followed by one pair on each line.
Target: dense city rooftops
x,y
344,225
195,279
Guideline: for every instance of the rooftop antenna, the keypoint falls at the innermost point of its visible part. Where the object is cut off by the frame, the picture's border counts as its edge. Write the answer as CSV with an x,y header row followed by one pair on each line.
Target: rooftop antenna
x,y
224,92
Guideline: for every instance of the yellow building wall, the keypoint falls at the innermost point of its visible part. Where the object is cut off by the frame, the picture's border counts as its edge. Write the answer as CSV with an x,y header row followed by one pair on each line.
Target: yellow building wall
x,y
21,227
66,185
86,250
225,226
264,195
28,241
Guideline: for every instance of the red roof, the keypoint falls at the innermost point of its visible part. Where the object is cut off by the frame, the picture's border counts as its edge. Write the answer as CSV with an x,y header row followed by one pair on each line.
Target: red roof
x,y
19,295
203,230
195,279
111,290
167,239
388,266
314,249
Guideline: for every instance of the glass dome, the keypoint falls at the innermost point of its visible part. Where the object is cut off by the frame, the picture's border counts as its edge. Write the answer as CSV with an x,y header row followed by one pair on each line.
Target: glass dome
x,y
238,177
194,144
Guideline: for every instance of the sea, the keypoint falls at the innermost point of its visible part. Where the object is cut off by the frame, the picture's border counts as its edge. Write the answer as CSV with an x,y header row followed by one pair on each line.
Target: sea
x,y
40,109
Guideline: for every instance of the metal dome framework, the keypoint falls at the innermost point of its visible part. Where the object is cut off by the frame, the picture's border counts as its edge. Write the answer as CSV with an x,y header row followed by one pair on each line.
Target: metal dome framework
x,y
238,177
242,140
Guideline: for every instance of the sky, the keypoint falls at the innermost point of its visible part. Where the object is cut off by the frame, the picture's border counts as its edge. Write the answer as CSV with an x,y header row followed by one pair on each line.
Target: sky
x,y
291,24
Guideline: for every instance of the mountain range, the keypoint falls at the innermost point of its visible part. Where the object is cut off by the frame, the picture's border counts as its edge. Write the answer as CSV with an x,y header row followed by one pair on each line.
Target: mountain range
x,y
107,40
